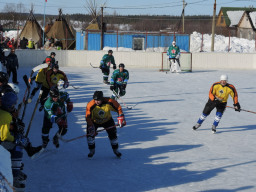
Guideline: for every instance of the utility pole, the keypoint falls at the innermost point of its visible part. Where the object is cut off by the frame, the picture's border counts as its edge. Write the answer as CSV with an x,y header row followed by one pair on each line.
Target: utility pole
x,y
101,35
213,25
183,17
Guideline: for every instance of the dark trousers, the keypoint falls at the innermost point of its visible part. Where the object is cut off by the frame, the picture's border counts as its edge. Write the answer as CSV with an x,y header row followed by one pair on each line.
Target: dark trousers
x,y
112,134
210,105
44,95
14,74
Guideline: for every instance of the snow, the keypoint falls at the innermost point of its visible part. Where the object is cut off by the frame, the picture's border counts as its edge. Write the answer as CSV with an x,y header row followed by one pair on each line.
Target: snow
x,y
160,150
234,17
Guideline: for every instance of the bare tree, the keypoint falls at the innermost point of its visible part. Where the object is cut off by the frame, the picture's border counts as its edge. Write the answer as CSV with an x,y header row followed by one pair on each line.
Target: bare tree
x,y
94,9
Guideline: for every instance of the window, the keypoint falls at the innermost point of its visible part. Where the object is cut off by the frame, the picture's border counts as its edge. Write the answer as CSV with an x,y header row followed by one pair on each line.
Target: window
x,y
138,43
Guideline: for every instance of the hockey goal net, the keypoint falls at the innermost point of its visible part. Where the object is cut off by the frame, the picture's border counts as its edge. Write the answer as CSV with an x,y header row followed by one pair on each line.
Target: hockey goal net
x,y
185,62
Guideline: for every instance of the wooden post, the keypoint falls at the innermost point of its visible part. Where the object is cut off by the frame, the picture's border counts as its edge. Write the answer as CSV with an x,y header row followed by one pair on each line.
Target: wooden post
x,y
213,26
117,40
228,40
146,40
101,35
202,43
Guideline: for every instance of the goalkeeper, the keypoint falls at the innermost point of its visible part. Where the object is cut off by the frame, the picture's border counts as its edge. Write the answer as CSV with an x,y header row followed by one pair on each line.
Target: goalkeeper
x,y
174,52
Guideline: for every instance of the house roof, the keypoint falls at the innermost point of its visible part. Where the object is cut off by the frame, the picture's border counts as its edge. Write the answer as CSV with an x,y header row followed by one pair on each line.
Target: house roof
x,y
232,15
253,18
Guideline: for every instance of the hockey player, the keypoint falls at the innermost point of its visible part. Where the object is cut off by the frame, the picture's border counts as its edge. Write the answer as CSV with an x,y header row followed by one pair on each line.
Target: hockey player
x,y
52,78
13,140
218,97
55,112
40,78
52,57
174,54
105,63
98,114
119,81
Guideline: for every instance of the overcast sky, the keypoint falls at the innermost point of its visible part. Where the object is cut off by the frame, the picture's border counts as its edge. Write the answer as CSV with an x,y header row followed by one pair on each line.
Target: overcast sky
x,y
133,7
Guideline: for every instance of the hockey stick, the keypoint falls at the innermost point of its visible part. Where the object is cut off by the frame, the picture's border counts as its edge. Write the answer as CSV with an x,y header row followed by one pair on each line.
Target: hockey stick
x,y
26,94
82,136
25,78
242,110
93,66
33,114
123,101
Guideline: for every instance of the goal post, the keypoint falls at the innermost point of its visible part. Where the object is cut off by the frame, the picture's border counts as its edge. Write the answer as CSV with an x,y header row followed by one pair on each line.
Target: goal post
x,y
185,62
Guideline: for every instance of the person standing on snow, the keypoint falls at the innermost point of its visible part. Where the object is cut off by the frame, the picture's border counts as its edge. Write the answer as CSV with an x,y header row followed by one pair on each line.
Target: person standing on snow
x,y
55,112
119,81
105,63
218,97
98,114
174,53
12,65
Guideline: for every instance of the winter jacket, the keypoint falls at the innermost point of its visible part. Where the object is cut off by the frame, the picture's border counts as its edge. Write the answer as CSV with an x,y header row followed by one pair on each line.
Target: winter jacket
x,y
12,61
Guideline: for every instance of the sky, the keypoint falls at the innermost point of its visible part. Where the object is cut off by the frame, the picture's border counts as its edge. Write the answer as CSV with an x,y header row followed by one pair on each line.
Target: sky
x,y
134,7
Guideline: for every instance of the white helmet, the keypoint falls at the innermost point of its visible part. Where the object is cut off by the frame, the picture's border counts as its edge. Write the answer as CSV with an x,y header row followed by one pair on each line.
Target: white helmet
x,y
224,77
174,43
15,88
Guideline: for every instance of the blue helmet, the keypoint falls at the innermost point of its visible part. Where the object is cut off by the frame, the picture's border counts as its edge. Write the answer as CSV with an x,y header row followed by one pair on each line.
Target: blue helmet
x,y
9,100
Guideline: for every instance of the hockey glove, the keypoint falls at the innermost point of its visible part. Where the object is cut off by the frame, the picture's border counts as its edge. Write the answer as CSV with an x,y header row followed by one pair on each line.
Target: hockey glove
x,y
237,107
62,122
91,131
121,121
114,66
53,118
20,126
112,87
69,106
124,86
20,139
66,84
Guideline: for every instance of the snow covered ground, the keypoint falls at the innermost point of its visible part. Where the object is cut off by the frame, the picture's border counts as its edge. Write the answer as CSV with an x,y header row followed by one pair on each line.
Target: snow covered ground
x,y
160,151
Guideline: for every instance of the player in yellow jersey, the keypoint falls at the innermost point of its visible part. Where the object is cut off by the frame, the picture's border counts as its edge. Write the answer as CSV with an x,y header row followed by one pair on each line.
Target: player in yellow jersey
x,y
98,114
218,97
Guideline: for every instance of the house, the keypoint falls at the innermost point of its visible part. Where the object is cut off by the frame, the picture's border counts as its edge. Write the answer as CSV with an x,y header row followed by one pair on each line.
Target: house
x,y
247,25
229,18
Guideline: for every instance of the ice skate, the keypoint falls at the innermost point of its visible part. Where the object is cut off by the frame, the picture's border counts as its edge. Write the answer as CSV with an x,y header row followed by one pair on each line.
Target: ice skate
x,y
196,126
92,152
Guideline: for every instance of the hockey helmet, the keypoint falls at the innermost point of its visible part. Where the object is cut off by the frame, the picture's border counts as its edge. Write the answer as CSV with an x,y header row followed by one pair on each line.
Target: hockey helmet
x,y
55,66
14,87
224,77
48,59
53,53
110,51
54,92
98,95
4,77
8,101
174,42
121,65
